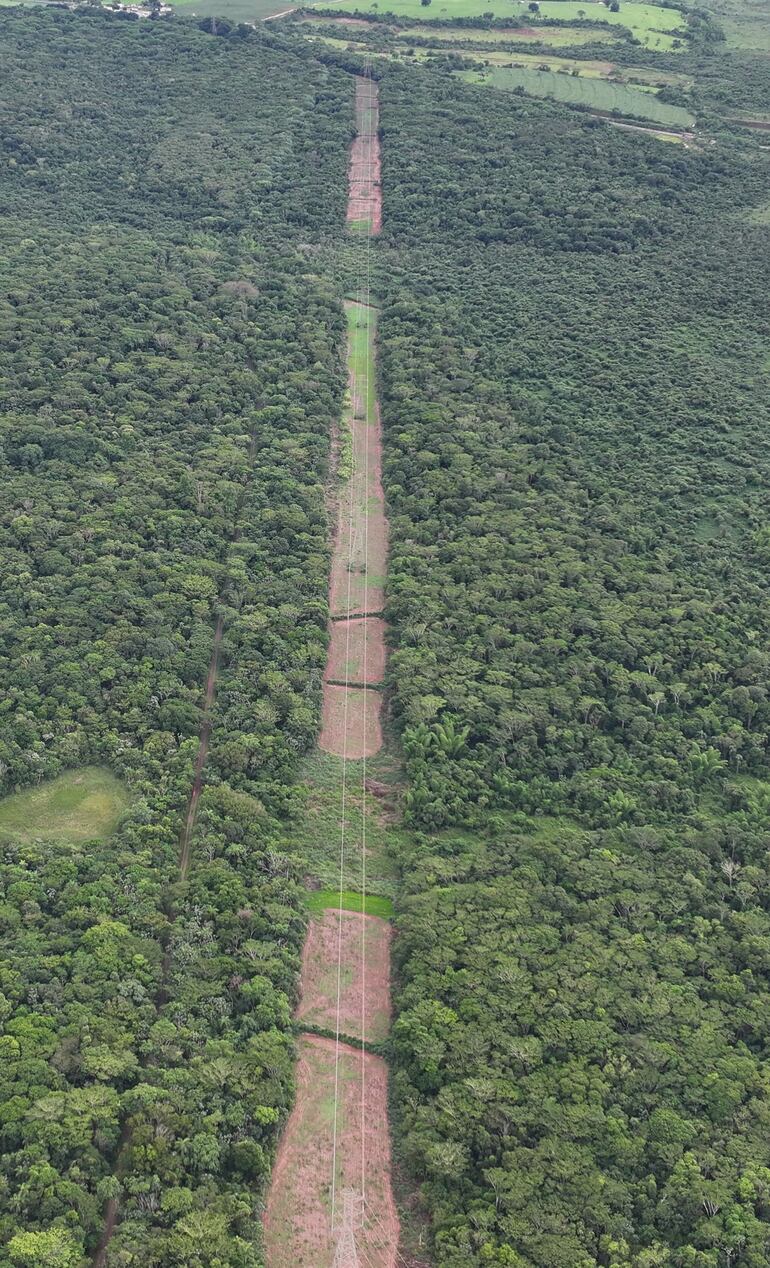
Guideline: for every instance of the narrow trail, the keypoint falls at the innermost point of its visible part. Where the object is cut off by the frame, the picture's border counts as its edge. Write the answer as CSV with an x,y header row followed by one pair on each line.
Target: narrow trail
x,y
331,1201
111,1216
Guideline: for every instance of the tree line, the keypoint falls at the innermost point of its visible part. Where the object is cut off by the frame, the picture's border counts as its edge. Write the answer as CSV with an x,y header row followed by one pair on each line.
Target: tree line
x,y
573,348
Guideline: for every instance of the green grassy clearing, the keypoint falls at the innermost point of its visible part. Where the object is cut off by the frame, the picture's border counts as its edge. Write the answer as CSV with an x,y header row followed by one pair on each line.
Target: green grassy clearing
x,y
81,805
652,26
595,94
362,327
556,36
374,904
315,837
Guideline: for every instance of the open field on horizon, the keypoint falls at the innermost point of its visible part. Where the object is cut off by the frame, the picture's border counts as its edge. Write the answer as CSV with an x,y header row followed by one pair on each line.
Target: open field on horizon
x,y
78,806
556,36
654,27
593,93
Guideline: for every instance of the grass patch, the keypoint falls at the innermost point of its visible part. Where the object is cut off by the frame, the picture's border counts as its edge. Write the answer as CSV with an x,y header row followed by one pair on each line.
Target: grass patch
x,y
362,326
594,94
760,214
81,805
373,905
556,36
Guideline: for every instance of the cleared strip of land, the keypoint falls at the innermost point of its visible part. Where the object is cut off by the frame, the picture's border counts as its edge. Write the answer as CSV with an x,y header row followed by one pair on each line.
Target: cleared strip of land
x,y
357,650
331,1183
298,1219
351,726
347,934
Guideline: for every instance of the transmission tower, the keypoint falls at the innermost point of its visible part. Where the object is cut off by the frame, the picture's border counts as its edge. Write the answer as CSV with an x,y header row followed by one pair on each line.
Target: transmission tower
x,y
346,1255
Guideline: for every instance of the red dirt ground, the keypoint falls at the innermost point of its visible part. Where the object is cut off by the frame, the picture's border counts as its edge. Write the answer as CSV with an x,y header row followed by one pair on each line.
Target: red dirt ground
x,y
297,1220
346,650
318,1005
364,728
337,19
364,194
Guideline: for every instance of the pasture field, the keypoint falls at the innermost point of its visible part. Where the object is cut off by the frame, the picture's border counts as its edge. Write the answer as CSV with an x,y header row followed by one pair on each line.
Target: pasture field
x,y
556,36
81,805
595,94
652,26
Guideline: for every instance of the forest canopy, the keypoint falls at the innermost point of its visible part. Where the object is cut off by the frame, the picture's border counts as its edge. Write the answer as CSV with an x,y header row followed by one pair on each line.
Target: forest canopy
x,y
574,346
171,371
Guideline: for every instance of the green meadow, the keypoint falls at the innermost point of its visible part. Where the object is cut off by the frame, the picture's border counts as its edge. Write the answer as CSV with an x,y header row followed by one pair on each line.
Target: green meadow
x,y
81,805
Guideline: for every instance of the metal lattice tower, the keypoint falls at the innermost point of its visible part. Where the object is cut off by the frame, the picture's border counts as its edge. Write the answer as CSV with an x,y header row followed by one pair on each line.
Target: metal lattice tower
x,y
346,1255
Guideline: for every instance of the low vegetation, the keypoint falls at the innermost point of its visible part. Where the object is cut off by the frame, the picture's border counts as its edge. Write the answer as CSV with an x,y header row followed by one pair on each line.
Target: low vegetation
x,y
652,26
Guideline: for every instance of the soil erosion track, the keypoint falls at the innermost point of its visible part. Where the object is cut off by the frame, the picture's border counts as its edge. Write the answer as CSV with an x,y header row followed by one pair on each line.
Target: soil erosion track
x,y
331,1200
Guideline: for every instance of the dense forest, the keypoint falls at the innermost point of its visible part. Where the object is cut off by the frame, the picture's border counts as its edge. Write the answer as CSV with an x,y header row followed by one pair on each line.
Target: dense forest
x,y
575,370
171,370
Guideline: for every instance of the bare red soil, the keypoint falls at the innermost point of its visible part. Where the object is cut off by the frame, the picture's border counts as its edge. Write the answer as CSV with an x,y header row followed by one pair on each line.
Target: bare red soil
x,y
359,719
357,651
297,1222
364,193
337,19
362,936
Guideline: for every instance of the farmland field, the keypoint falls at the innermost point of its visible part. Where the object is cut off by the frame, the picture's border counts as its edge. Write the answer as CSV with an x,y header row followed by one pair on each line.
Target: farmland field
x,y
81,805
652,26
595,94
557,36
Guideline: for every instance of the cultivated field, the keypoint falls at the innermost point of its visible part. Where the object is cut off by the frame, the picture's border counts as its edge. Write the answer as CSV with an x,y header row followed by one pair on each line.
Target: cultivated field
x,y
349,900
360,555
595,94
81,805
316,835
350,722
556,36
